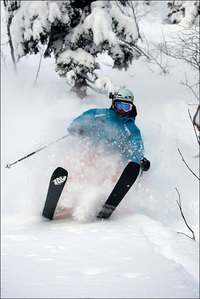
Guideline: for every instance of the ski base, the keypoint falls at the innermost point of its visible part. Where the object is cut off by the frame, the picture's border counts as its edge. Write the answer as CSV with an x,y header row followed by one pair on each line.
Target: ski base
x,y
56,185
123,185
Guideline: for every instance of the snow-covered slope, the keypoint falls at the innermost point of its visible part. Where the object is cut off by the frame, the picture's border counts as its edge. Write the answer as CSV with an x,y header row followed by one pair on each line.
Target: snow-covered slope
x,y
137,253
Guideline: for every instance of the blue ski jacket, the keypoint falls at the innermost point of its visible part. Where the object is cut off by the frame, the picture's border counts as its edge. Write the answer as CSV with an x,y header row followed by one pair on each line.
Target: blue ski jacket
x,y
103,127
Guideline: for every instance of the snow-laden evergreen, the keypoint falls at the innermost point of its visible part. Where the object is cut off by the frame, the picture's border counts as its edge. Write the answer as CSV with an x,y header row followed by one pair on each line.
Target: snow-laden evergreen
x,y
183,12
138,252
67,29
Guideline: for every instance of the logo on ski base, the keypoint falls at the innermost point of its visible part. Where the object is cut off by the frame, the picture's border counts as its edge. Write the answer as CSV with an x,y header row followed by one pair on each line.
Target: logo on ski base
x,y
59,180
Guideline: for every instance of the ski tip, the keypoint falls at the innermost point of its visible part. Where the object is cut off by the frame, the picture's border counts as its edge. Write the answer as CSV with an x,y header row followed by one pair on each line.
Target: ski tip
x,y
8,166
133,166
60,169
60,172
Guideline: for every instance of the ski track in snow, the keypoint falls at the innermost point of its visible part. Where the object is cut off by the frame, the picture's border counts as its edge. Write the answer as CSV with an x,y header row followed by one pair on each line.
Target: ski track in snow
x,y
135,254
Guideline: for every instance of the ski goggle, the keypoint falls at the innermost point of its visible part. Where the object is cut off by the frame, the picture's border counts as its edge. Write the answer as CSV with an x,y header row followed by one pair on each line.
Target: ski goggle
x,y
125,106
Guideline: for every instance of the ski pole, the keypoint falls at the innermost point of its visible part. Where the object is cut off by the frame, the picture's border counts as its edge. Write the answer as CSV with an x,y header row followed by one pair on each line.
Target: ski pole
x,y
38,150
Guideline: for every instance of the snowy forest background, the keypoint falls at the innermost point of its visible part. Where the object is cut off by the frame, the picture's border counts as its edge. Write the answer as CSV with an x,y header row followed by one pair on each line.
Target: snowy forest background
x,y
58,59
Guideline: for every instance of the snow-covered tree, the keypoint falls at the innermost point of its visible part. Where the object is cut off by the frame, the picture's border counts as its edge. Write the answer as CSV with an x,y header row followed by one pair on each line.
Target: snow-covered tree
x,y
75,32
147,2
10,8
183,12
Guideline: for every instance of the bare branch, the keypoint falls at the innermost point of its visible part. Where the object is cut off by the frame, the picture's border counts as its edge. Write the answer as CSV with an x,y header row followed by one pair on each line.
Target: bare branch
x,y
135,18
140,50
191,87
180,208
107,64
184,46
187,165
150,57
192,120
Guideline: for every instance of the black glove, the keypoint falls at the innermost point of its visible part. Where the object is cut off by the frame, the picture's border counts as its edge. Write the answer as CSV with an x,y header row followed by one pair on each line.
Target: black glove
x,y
144,164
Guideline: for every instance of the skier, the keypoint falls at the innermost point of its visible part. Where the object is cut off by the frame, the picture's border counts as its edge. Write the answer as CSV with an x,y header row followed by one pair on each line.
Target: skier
x,y
114,128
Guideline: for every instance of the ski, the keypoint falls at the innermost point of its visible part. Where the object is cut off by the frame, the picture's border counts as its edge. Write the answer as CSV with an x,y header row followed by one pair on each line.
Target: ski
x,y
123,185
56,185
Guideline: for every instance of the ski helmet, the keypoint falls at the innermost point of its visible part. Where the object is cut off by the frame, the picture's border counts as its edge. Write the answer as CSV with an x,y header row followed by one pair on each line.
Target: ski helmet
x,y
124,95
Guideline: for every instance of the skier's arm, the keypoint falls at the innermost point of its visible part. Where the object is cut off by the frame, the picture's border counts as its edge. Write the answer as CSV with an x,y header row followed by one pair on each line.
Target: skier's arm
x,y
144,163
135,146
137,142
81,124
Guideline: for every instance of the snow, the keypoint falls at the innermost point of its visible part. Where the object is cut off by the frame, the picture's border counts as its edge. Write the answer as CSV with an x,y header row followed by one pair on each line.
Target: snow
x,y
28,22
125,24
54,12
64,259
33,19
138,252
190,13
104,84
79,56
77,60
184,12
102,31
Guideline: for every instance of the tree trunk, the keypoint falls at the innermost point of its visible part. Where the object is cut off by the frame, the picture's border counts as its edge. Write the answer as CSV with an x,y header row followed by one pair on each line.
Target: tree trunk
x,y
80,87
11,46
